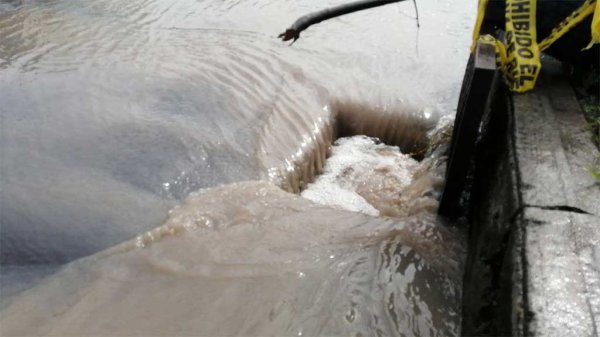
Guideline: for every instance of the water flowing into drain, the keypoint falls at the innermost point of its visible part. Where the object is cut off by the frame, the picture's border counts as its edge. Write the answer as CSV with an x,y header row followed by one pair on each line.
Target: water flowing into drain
x,y
373,178
394,124
114,112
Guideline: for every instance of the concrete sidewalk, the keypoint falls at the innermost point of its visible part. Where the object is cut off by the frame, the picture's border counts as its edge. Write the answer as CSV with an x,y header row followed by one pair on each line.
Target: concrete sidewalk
x,y
558,226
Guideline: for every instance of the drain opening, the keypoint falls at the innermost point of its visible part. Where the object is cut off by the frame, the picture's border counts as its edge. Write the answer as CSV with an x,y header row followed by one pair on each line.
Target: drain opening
x,y
371,163
409,132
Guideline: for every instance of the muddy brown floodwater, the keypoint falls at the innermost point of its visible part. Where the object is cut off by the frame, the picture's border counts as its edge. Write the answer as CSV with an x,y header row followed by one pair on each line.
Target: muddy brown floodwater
x,y
160,146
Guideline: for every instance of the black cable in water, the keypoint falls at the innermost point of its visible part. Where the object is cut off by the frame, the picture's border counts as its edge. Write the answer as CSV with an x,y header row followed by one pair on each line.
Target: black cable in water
x,y
417,13
313,18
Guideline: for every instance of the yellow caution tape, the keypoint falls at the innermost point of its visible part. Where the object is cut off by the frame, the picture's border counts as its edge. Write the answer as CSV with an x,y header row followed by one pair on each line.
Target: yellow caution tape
x,y
571,21
480,16
523,54
519,59
595,27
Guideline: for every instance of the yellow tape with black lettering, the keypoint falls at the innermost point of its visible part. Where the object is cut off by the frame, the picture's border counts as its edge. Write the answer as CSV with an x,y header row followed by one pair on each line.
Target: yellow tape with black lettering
x,y
523,54
519,59
571,21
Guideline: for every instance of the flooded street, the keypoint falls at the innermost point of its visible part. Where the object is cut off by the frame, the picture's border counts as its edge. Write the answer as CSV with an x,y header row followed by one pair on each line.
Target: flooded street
x,y
113,112
252,260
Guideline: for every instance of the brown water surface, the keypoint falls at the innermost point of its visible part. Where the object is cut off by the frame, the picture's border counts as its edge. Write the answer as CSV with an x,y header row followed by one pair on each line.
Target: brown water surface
x,y
113,112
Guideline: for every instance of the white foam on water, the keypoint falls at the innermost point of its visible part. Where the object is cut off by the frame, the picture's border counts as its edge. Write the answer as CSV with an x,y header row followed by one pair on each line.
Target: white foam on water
x,y
355,161
364,175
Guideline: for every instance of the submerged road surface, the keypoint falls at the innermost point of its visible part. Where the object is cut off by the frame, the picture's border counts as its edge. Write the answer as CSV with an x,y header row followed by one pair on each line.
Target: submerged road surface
x,y
113,112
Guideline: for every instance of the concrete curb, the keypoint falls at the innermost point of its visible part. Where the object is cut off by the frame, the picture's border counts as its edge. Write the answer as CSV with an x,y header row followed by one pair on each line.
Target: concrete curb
x,y
534,240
